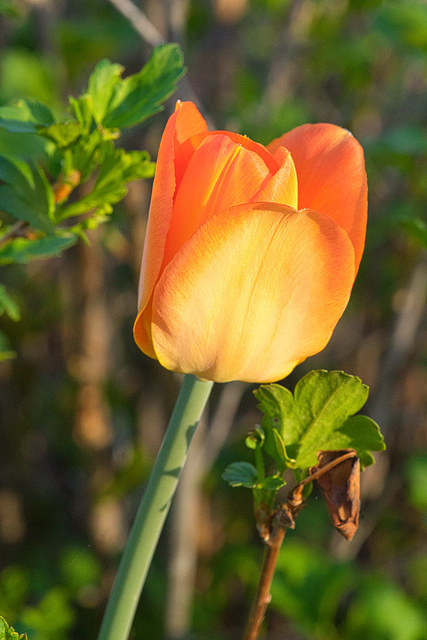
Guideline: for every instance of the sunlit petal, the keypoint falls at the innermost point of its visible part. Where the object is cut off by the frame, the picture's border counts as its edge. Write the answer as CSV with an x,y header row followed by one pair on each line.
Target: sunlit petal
x,y
331,176
257,289
219,175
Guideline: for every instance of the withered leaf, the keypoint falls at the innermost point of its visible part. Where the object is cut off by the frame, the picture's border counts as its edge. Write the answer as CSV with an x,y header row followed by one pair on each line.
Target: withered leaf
x,y
341,487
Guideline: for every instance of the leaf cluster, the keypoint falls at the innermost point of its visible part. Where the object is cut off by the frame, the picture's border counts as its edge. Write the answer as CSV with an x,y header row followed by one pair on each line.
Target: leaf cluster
x,y
9,633
42,210
319,415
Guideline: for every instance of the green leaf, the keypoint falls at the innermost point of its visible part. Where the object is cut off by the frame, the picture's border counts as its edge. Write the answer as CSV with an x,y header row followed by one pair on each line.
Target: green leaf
x,y
24,116
102,84
240,474
63,134
36,112
8,305
53,617
360,433
117,169
24,249
82,108
9,633
17,126
17,173
318,417
140,95
27,194
273,483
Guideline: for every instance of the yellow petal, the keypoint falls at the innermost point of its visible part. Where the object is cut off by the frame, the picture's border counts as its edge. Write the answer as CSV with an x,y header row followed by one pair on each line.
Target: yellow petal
x,y
256,290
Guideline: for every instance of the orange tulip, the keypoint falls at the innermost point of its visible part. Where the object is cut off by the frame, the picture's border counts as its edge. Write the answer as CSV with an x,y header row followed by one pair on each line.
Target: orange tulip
x,y
251,252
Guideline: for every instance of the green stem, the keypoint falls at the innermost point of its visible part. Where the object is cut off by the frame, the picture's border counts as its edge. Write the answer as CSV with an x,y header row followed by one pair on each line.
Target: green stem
x,y
259,461
153,509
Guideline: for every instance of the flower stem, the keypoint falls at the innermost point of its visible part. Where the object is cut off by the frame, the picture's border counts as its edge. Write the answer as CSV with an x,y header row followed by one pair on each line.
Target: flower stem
x,y
263,597
153,509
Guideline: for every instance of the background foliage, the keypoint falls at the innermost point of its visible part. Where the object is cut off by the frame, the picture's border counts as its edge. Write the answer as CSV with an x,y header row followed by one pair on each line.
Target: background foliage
x,y
82,411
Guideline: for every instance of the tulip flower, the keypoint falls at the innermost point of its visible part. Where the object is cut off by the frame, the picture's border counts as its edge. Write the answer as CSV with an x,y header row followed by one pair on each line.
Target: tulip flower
x,y
251,252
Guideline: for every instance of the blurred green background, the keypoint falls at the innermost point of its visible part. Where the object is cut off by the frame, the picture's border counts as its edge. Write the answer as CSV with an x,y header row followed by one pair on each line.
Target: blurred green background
x,y
82,411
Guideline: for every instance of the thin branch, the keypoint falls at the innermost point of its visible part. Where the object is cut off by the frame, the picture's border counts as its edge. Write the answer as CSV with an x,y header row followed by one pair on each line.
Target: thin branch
x,y
153,37
263,596
139,22
283,519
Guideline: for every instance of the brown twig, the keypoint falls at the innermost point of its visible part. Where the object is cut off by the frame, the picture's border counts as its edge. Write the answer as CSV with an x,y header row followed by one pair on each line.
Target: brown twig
x,y
263,597
282,519
139,22
153,37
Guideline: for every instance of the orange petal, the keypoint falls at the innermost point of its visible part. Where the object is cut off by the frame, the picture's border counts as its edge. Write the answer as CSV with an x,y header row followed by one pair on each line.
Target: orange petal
x,y
184,123
271,162
283,186
331,176
255,290
219,175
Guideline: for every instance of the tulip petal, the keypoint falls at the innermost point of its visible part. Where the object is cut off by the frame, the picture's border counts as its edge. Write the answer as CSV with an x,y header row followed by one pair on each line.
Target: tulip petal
x,y
256,290
219,175
184,123
271,162
283,186
331,176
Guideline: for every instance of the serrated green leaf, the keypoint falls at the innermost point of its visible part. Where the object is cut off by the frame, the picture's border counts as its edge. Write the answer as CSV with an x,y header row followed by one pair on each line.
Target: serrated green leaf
x,y
317,417
87,154
37,112
102,84
117,169
62,134
24,116
27,194
24,249
140,95
9,633
360,433
8,305
273,483
14,204
240,474
82,108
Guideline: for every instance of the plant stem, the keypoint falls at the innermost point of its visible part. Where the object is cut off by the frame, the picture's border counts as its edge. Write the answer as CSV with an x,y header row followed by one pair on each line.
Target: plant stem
x,y
263,597
153,509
